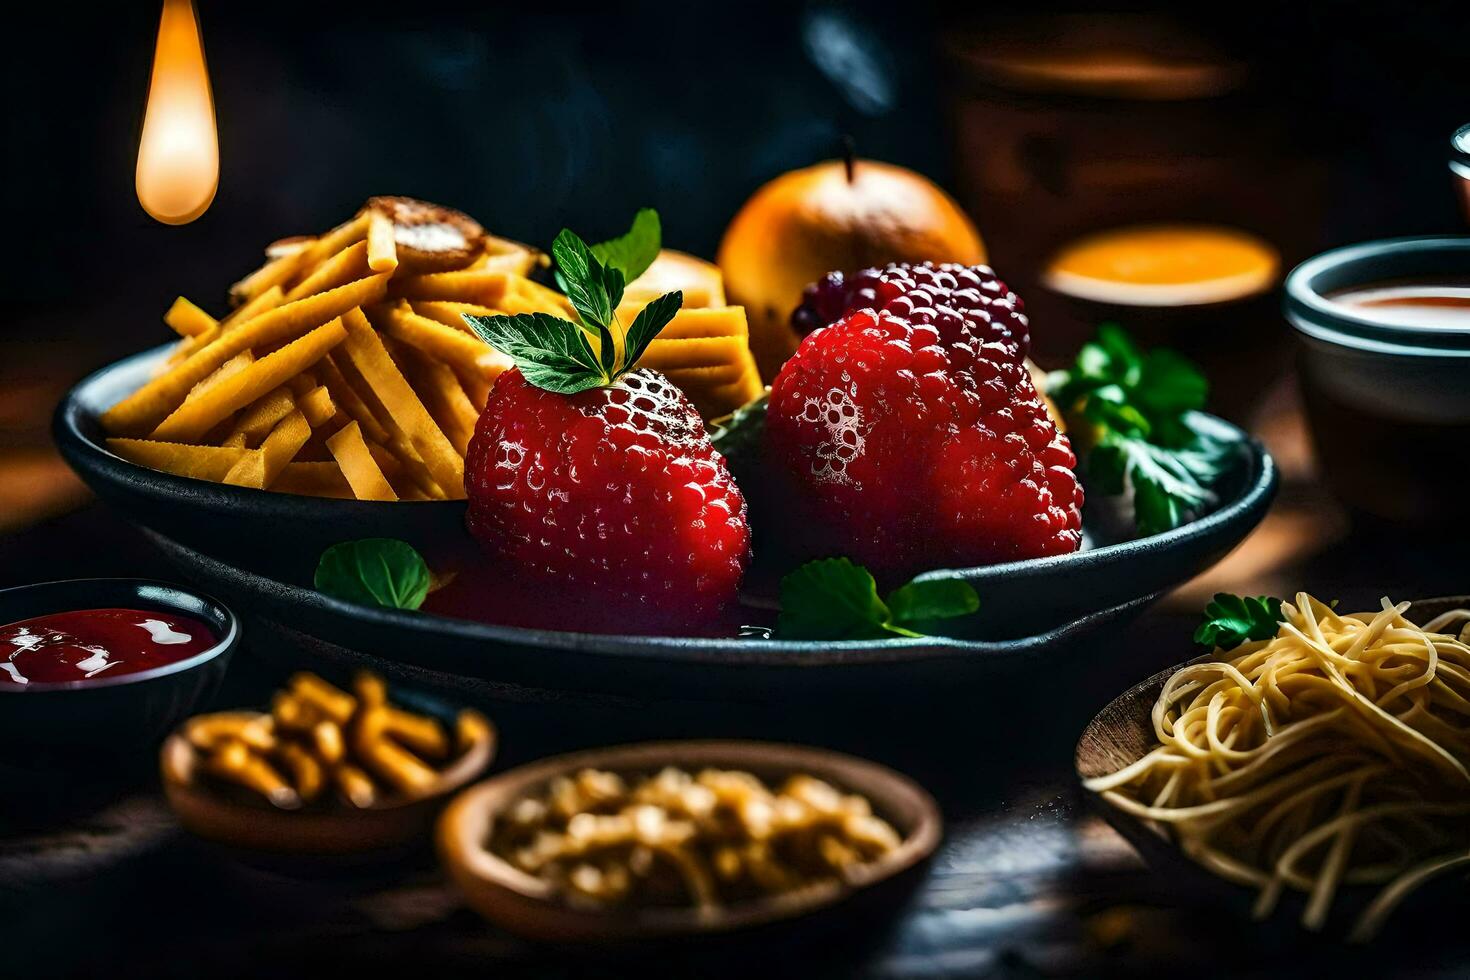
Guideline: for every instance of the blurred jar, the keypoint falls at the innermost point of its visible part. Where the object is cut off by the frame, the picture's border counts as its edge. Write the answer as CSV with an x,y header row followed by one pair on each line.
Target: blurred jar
x,y
1069,125
1460,166
1204,290
1385,369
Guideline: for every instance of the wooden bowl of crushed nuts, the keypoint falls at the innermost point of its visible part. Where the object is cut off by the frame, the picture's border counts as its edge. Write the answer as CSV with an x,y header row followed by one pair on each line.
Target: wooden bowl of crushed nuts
x,y
325,771
680,839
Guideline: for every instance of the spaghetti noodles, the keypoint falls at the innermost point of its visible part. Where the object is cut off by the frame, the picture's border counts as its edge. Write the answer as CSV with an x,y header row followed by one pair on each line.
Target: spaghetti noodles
x,y
1336,753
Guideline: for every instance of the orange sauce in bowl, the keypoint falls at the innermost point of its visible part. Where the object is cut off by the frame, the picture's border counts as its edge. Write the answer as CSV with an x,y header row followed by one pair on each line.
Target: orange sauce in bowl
x,y
1164,265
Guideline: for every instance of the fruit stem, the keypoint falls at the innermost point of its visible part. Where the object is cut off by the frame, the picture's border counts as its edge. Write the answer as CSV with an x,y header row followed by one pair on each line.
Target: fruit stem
x,y
849,156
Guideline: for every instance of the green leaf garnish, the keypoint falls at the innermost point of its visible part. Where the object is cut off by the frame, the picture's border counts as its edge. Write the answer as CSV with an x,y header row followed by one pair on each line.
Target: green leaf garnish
x,y
1231,620
565,356
1143,411
374,572
835,599
633,252
551,352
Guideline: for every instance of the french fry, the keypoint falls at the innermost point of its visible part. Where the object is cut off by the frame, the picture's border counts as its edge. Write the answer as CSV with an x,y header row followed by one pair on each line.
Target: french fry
x,y
326,739
256,421
317,406
273,275
462,351
188,320
476,389
199,462
450,313
405,411
150,404
307,772
355,786
370,690
212,731
268,300
351,403
390,762
422,734
528,296
443,396
236,763
468,286
198,415
358,466
668,355
689,324
233,366
291,714
325,697
334,241
382,250
235,440
313,480
278,449
346,266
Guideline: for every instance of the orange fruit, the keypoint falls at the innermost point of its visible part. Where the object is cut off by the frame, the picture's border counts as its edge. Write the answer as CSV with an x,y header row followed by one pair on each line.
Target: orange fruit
x,y
827,217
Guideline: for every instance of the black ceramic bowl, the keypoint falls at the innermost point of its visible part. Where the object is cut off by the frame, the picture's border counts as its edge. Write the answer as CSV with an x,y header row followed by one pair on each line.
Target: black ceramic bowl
x,y
108,716
240,524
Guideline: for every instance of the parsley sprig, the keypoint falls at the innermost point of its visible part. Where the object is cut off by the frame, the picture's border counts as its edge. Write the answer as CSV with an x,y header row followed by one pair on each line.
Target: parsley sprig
x,y
835,599
565,356
1231,620
1148,434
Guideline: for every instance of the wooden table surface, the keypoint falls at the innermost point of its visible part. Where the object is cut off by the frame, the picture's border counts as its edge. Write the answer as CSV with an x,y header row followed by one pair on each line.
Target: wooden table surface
x,y
95,877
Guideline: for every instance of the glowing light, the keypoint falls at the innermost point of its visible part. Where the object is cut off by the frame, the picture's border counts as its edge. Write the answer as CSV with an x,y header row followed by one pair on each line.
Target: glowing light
x,y
178,156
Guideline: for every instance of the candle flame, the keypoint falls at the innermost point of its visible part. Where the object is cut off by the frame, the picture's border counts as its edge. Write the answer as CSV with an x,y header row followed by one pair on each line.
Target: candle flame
x,y
178,156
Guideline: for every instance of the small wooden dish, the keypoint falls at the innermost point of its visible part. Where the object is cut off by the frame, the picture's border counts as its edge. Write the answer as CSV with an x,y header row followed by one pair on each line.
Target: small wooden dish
x,y
1122,733
219,815
526,905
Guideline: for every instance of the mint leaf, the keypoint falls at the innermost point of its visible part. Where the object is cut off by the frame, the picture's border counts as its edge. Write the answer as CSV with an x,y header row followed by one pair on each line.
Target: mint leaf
x,y
632,253
1231,620
919,602
836,599
831,599
594,291
552,353
374,572
646,325
1142,409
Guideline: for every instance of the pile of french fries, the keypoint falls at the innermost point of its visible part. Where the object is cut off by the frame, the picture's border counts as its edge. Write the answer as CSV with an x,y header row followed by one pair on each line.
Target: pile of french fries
x,y
319,737
346,368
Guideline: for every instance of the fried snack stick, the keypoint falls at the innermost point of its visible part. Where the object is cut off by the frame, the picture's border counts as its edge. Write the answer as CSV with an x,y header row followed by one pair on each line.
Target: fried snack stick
x,y
443,395
322,479
150,404
188,320
451,313
351,403
317,406
307,772
199,462
462,351
257,420
278,449
209,732
286,267
236,763
391,762
406,412
524,295
346,266
197,416
268,300
355,786
465,285
234,365
382,250
667,355
327,698
359,468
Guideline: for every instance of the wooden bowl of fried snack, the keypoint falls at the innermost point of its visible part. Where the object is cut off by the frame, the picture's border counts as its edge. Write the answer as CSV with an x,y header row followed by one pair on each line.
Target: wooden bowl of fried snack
x,y
670,840
325,771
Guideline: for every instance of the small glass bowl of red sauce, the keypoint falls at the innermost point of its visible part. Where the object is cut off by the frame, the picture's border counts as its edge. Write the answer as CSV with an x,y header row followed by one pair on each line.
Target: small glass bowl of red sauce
x,y
1385,373
100,667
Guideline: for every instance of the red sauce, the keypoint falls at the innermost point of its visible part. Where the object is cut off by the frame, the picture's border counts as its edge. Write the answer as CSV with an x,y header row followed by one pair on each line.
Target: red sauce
x,y
93,643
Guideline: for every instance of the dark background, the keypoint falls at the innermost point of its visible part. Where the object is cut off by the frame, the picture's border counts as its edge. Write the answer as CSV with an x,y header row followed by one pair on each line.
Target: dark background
x,y
579,113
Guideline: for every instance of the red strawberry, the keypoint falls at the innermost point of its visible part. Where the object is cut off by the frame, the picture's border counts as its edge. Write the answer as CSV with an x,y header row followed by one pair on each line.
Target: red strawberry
x,y
907,453
595,480
614,491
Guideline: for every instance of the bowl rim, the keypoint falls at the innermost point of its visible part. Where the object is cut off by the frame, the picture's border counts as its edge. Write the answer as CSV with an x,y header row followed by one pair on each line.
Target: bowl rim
x,y
1320,318
462,829
225,642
